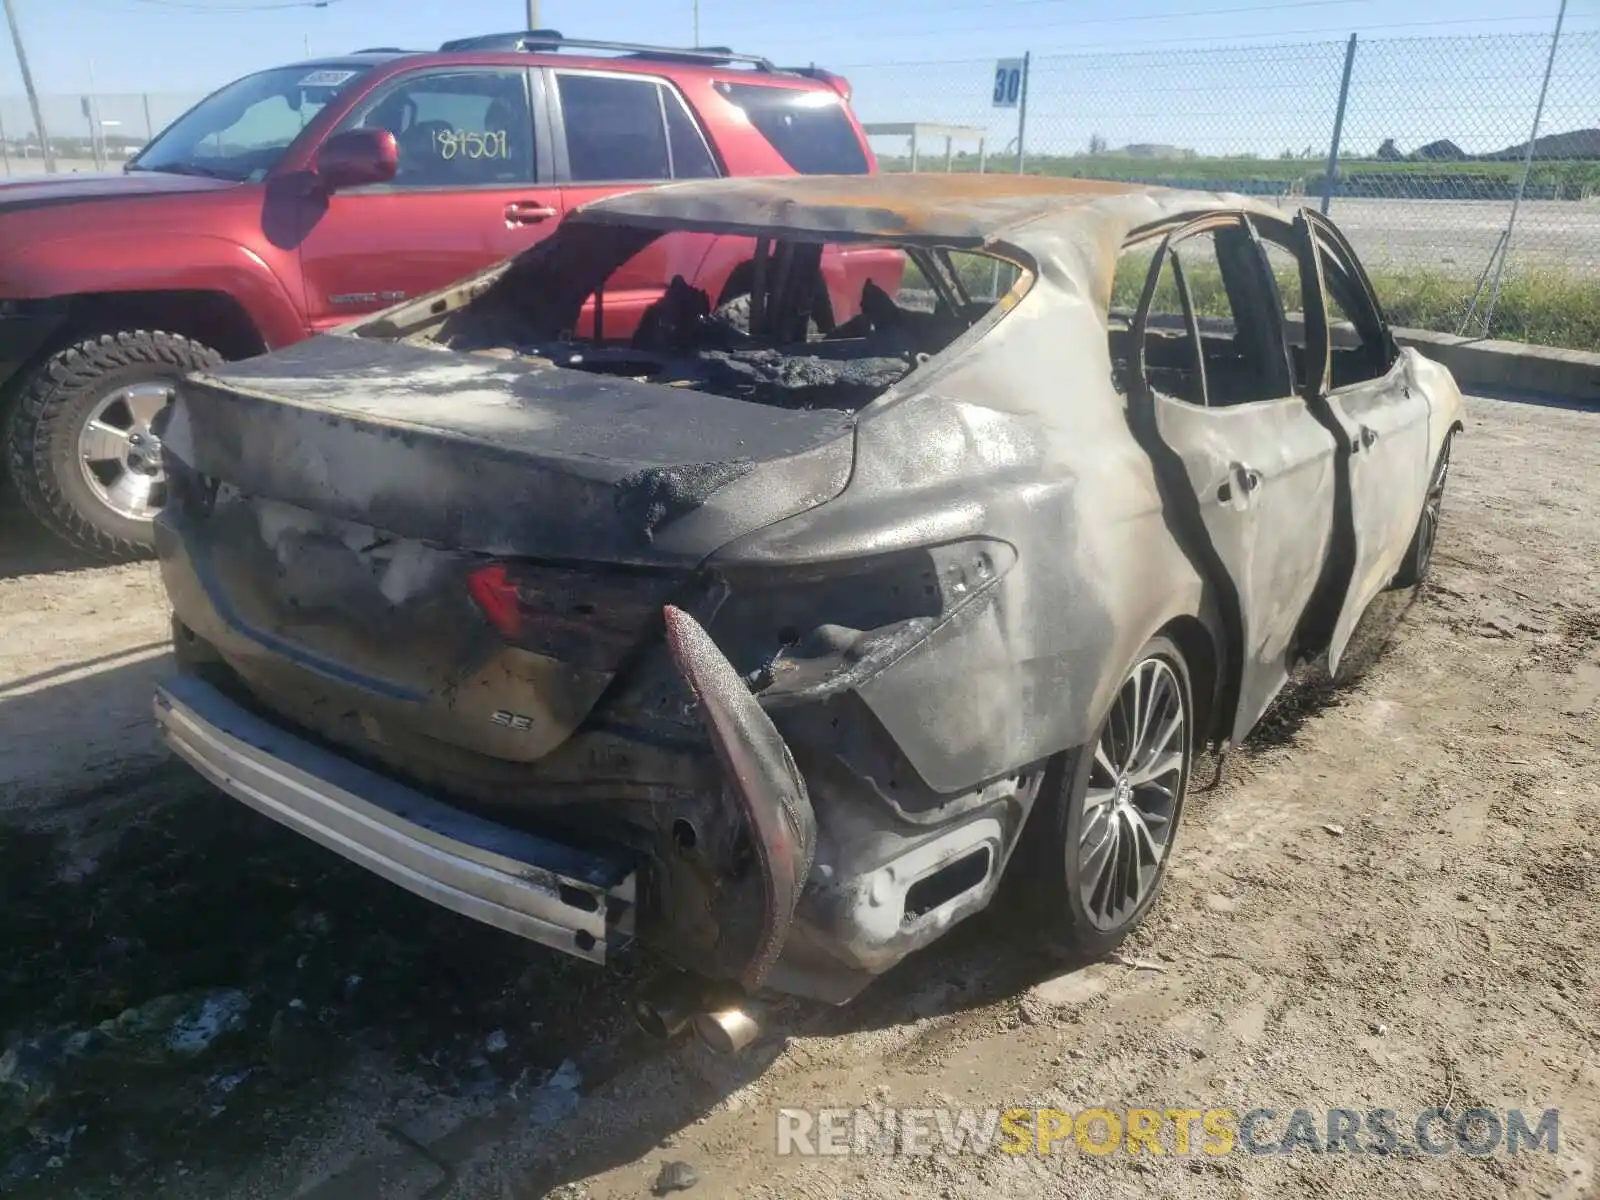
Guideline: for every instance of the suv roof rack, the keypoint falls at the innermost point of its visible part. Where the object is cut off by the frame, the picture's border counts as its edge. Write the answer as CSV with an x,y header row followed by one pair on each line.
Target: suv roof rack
x,y
837,82
549,39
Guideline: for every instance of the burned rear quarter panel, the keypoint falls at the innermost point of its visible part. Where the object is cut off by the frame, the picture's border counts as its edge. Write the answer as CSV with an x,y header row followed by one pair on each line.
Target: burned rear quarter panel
x,y
1020,435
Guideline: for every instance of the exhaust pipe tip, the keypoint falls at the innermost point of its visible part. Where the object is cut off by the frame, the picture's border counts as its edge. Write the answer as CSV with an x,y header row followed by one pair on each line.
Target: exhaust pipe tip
x,y
726,1030
663,1019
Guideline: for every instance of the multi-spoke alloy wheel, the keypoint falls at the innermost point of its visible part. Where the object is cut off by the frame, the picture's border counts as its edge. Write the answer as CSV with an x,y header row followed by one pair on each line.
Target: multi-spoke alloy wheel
x,y
1130,804
1419,555
1097,846
1431,508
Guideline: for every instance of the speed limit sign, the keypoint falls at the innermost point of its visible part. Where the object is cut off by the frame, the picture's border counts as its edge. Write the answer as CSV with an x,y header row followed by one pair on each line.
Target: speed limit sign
x,y
1007,82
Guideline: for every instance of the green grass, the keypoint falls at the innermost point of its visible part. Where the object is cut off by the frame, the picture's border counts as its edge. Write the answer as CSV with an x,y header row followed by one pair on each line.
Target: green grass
x,y
1548,306
1544,306
1577,177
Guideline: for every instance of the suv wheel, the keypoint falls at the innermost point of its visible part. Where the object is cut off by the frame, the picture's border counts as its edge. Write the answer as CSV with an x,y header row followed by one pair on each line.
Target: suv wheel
x,y
79,442
1109,812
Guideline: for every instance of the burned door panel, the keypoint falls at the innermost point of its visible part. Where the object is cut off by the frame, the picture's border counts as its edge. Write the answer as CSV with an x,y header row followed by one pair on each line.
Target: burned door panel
x,y
1368,400
1262,478
1258,490
1384,423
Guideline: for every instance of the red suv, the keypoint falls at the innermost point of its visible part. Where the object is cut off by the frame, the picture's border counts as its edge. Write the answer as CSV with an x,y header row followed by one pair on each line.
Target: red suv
x,y
301,197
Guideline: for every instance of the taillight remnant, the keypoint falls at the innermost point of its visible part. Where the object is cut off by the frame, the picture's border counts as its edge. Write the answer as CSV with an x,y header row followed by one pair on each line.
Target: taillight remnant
x,y
762,777
590,617
496,596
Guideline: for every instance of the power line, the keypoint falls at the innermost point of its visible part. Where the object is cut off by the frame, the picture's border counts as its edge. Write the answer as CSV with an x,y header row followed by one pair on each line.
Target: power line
x,y
1278,6
177,6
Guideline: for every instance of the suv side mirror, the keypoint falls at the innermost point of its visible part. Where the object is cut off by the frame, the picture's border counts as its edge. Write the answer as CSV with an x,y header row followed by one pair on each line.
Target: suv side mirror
x,y
357,157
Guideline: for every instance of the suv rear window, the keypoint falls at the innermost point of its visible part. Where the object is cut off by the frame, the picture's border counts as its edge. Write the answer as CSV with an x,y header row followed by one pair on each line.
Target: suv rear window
x,y
809,128
629,129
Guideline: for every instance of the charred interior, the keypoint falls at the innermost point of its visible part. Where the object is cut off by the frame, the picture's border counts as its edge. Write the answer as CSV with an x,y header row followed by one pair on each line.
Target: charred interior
x,y
776,336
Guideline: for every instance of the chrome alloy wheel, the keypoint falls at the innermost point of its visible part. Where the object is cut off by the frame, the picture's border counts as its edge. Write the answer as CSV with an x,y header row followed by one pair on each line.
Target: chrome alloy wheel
x,y
120,456
1134,790
1428,534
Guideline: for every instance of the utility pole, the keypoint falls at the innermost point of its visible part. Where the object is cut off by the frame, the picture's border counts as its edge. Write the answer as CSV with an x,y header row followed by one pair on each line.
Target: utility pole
x,y
33,95
533,14
697,22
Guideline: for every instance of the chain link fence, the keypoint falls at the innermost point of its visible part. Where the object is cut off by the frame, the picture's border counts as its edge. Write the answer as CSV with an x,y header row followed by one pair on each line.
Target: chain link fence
x,y
1432,155
87,132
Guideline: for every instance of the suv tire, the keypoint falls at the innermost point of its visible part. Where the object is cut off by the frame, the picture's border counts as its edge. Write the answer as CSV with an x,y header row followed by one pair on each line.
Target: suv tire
x,y
103,505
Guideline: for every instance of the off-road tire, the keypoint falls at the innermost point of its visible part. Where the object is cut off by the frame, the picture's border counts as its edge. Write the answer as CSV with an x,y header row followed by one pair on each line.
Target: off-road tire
x,y
41,434
1048,890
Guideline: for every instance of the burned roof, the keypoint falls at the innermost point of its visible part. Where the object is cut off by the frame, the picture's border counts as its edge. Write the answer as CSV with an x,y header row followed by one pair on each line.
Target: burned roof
x,y
947,209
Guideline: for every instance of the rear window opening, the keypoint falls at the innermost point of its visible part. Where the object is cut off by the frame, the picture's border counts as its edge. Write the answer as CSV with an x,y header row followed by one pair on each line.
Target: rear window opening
x,y
801,325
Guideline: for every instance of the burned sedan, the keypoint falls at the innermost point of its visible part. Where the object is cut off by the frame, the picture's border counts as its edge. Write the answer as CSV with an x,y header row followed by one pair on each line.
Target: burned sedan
x,y
771,630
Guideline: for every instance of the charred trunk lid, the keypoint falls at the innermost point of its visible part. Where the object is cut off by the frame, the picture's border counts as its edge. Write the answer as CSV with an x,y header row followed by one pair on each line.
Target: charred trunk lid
x,y
387,542
505,457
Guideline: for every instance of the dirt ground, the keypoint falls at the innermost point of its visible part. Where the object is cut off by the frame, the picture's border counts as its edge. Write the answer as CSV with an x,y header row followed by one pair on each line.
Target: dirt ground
x,y
1390,899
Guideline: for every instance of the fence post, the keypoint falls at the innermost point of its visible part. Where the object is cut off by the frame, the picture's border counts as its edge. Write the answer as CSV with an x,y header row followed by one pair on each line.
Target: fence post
x,y
1330,177
1527,167
1022,114
91,114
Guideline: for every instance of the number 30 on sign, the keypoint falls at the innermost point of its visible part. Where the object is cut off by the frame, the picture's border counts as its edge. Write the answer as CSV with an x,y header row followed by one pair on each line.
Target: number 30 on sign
x,y
1007,82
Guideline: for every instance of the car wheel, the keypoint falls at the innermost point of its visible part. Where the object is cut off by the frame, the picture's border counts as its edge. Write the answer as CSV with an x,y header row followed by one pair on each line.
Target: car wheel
x,y
1419,555
1111,810
81,452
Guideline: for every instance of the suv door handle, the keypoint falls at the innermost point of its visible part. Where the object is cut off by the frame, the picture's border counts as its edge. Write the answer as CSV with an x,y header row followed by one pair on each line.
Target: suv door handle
x,y
528,212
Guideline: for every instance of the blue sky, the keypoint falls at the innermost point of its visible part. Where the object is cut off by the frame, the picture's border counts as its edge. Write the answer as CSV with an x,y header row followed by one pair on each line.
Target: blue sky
x,y
185,45
911,59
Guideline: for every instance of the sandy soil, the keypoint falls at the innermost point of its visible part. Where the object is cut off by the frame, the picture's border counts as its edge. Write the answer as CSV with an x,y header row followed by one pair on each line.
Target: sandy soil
x,y
1389,900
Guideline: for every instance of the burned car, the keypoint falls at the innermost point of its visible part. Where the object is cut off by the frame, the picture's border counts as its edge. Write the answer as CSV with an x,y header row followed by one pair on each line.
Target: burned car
x,y
772,634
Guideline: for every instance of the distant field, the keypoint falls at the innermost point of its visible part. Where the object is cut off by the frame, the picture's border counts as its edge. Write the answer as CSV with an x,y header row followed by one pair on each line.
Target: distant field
x,y
28,168
1574,178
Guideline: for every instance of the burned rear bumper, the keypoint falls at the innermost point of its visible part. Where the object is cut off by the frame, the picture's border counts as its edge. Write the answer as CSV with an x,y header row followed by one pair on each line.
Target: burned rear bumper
x,y
730,873
577,901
